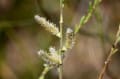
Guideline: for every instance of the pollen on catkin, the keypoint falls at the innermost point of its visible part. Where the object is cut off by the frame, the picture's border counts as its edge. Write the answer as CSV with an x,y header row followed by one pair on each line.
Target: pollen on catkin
x,y
51,57
48,25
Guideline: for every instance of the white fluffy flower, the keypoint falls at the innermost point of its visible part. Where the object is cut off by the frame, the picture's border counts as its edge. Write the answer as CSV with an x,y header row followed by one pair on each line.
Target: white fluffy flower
x,y
54,53
48,25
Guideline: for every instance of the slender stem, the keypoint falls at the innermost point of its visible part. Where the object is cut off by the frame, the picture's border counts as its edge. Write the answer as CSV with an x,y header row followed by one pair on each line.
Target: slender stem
x,y
61,22
84,19
112,52
61,39
46,69
60,72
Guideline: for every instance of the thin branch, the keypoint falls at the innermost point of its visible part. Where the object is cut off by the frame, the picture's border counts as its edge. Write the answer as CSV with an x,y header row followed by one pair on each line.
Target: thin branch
x,y
61,39
84,19
61,22
44,72
113,50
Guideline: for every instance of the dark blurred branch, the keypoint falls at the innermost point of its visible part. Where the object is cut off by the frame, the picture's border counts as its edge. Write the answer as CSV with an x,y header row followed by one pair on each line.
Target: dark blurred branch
x,y
21,23
37,6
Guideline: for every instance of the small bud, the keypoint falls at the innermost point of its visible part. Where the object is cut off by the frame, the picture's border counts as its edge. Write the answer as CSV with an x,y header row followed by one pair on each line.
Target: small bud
x,y
69,38
52,50
41,52
69,30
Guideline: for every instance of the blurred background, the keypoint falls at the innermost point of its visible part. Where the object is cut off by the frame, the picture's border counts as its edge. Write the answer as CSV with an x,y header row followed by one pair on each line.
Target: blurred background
x,y
21,37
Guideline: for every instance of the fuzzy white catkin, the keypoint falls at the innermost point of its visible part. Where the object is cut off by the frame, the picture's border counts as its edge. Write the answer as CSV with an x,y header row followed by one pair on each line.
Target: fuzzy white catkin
x,y
47,25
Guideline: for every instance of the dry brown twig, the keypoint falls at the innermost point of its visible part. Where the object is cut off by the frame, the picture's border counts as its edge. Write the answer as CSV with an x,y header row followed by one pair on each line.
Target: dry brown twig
x,y
113,50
